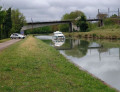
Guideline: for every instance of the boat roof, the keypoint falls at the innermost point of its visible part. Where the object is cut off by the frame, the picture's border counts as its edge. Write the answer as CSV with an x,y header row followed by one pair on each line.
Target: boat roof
x,y
57,32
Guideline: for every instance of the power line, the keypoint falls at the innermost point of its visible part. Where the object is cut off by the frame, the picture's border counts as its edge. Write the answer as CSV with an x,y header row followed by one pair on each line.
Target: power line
x,y
117,12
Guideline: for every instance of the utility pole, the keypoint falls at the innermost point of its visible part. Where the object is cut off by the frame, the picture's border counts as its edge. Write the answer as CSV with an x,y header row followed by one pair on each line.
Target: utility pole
x,y
32,24
118,12
108,12
98,13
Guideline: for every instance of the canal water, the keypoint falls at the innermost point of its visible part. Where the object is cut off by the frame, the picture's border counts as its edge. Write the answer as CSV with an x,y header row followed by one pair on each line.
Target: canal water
x,y
99,57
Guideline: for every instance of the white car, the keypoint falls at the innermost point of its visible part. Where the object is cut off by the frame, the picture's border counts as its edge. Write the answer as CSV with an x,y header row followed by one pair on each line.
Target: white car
x,y
17,36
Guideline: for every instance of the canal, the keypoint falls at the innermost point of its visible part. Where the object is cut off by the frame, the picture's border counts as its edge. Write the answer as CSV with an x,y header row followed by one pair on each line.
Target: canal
x,y
99,57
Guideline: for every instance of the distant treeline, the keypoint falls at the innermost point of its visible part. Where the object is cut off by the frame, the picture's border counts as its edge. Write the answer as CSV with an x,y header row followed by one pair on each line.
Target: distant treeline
x,y
11,21
42,30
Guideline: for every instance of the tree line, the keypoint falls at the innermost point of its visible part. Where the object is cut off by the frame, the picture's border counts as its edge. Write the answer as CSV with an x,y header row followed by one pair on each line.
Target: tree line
x,y
42,30
11,21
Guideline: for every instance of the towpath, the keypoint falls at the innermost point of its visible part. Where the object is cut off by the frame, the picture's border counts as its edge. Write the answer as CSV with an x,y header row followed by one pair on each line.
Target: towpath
x,y
8,43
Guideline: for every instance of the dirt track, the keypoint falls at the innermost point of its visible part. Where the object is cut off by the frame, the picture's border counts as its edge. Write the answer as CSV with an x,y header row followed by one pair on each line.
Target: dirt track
x,y
8,43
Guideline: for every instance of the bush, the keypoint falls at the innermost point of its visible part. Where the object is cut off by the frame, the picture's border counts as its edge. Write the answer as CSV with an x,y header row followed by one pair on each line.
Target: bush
x,y
82,24
64,27
94,35
109,21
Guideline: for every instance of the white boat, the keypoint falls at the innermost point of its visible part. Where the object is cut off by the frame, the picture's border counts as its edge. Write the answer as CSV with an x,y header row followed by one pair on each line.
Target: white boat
x,y
58,38
58,35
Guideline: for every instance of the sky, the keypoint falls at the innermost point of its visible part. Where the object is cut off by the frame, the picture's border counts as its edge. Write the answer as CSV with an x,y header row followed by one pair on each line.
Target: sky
x,y
53,10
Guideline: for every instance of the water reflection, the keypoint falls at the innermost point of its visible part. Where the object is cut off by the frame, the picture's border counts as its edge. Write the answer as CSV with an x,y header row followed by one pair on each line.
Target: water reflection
x,y
102,62
79,48
58,42
100,59
103,65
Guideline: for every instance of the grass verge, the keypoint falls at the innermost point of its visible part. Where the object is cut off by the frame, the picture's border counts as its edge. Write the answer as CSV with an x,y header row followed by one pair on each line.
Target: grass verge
x,y
98,34
4,40
32,66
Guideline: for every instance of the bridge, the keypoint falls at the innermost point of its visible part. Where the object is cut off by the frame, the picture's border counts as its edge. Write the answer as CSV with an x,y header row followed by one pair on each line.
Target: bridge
x,y
100,20
31,25
42,24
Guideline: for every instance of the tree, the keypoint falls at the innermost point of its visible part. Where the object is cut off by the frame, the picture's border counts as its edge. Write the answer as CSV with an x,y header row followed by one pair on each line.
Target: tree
x,y
18,20
8,23
73,15
2,15
82,24
70,16
40,30
2,23
54,27
114,16
64,27
102,16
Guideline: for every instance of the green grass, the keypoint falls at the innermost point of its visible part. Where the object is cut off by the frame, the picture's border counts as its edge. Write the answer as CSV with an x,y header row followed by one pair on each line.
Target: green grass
x,y
32,66
4,40
99,33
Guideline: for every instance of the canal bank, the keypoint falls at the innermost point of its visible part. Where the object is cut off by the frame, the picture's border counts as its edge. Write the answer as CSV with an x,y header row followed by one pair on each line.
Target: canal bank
x,y
101,33
31,65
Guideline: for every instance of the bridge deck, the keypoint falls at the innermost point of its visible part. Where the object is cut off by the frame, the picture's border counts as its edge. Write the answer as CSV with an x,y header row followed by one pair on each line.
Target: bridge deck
x,y
48,22
67,21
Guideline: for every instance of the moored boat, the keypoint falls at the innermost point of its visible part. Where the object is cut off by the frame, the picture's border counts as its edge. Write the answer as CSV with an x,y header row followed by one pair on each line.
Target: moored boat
x,y
58,38
58,35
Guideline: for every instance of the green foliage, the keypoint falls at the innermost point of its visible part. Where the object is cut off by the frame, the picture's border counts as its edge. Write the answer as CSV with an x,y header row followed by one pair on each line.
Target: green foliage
x,y
102,16
114,16
109,21
94,35
2,15
41,30
18,20
82,24
10,21
64,27
2,20
83,47
92,26
71,16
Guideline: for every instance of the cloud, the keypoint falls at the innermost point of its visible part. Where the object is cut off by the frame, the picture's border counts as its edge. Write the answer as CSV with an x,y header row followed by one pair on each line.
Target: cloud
x,y
45,10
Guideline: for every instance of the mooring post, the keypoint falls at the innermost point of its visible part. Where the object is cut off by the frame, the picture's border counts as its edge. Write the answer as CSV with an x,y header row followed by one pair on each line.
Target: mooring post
x,y
70,27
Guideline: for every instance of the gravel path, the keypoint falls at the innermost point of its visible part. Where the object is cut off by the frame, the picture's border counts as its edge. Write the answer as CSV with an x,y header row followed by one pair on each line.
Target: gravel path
x,y
8,43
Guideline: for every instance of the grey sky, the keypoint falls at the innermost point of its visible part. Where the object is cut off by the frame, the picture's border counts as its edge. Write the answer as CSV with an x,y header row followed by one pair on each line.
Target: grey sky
x,y
47,10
